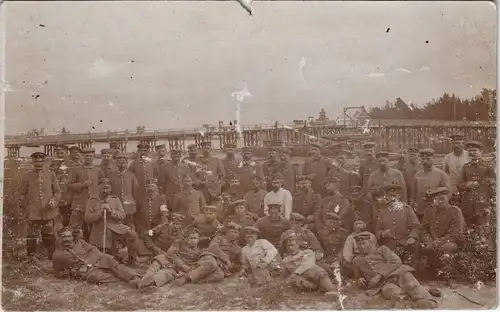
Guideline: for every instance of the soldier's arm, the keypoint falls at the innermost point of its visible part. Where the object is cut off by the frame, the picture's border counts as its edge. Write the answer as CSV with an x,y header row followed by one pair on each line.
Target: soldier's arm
x,y
266,208
93,211
378,228
202,200
173,255
369,185
446,182
74,184
135,188
446,166
162,179
390,258
315,245
56,189
118,213
23,190
318,216
413,198
288,202
308,260
462,180
259,171
402,182
269,250
412,223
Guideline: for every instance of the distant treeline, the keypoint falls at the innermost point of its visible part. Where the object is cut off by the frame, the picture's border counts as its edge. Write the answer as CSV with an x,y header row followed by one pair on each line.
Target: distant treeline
x,y
482,107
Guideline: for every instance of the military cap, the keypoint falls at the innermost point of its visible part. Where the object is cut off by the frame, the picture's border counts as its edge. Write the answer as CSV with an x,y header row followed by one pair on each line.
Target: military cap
x,y
457,137
232,225
75,148
426,152
286,150
229,145
160,146
151,181
177,216
88,150
332,215
277,177
104,181
191,230
362,236
390,186
209,208
256,177
252,229
331,180
238,202
316,145
106,151
438,191
60,147
143,145
246,149
192,146
274,206
473,144
296,216
368,145
176,151
232,176
65,229
121,156
382,154
206,143
38,155
287,235
114,144
413,150
303,178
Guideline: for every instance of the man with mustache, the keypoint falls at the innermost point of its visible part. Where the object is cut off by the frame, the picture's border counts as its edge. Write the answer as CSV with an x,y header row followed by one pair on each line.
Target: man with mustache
x,y
39,196
107,164
161,156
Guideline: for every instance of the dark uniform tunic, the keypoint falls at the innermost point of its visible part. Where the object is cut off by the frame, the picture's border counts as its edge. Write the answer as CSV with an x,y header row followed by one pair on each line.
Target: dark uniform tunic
x,y
212,174
306,203
306,240
271,168
334,203
246,171
271,230
124,186
322,168
289,174
254,201
378,178
365,170
170,180
144,168
149,216
82,193
333,242
189,203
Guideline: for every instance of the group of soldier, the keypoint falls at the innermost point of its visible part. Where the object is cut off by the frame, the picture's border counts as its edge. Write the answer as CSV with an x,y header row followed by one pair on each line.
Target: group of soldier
x,y
202,219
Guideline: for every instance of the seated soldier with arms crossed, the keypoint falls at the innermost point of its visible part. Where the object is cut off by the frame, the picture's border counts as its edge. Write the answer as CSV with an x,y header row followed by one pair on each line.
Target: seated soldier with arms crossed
x,y
75,258
301,269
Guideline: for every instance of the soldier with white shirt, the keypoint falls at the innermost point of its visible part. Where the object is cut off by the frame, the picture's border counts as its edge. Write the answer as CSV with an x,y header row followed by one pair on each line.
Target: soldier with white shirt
x,y
454,162
278,195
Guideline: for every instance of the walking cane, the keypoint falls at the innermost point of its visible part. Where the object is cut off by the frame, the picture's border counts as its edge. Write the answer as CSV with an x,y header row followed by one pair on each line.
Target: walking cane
x,y
104,232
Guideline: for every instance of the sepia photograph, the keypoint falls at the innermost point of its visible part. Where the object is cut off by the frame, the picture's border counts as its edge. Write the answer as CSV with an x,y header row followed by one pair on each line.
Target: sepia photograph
x,y
248,155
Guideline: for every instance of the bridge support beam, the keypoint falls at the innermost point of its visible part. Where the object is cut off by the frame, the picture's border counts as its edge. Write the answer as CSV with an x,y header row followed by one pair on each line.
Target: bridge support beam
x,y
122,146
49,150
198,139
83,145
177,142
13,151
228,138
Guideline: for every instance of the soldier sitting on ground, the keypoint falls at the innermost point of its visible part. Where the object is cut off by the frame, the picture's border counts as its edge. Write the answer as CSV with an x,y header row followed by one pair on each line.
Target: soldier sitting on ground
x,y
442,228
301,270
105,215
226,241
305,238
259,258
207,224
305,200
160,238
272,226
351,250
332,236
77,259
240,214
379,269
254,199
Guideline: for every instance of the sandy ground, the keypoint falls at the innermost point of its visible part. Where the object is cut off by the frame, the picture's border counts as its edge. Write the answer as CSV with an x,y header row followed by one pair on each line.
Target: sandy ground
x,y
30,288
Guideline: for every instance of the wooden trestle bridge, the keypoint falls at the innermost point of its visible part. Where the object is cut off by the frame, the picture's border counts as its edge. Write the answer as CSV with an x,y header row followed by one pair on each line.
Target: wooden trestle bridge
x,y
389,137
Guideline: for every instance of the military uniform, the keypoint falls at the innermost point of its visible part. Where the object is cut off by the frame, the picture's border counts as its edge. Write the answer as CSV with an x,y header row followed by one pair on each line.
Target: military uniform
x,y
189,203
107,167
82,192
230,163
379,177
409,170
230,248
289,171
207,227
476,200
271,230
161,161
273,166
305,202
115,229
366,168
305,238
334,203
332,239
247,170
144,168
84,261
211,176
124,186
319,169
362,208
396,278
38,188
170,178
254,201
163,235
62,168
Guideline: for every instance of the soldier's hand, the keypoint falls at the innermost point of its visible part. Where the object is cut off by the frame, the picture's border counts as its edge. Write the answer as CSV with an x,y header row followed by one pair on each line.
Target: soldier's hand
x,y
411,241
362,282
87,183
387,233
106,206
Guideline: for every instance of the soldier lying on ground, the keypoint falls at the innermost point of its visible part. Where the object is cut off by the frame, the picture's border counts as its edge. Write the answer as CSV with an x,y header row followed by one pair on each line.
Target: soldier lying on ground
x,y
380,270
442,228
301,270
259,258
77,259
305,238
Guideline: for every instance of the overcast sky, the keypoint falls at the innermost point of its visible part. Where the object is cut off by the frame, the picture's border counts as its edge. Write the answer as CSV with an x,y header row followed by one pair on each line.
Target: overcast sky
x,y
175,64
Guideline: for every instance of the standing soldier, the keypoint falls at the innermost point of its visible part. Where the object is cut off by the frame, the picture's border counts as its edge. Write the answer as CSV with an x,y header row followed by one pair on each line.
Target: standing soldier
x,y
170,177
306,200
234,187
105,215
317,168
385,175
248,169
144,168
397,226
254,199
367,165
347,178
192,159
272,166
476,183
230,162
453,164
61,166
362,207
428,178
75,154
115,148
124,186
107,163
211,175
333,202
40,195
409,168
189,202
83,183
289,170
161,156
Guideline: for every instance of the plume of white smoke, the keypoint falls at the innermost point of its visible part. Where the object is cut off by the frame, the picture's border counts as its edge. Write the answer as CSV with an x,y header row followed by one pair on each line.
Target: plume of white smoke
x,y
240,96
